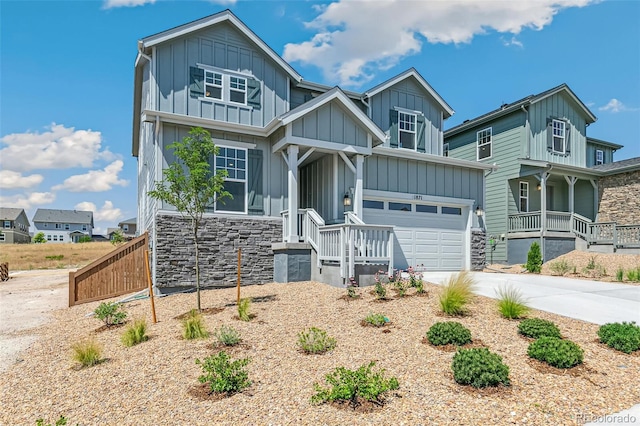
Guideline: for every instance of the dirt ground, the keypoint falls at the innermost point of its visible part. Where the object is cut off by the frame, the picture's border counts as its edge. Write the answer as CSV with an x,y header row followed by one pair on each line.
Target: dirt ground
x,y
26,301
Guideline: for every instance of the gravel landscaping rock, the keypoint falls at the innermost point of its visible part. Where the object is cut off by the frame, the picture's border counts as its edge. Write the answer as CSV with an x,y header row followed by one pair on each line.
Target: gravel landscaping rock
x,y
151,383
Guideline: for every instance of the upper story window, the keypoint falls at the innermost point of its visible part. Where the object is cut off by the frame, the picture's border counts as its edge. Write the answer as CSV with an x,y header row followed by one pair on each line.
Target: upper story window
x,y
125,227
66,226
599,156
484,138
7,224
445,150
558,130
238,89
234,162
84,227
58,226
406,130
213,85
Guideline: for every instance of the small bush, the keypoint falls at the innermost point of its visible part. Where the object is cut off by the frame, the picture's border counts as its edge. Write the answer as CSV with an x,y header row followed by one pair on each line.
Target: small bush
x,y
87,353
624,337
536,328
534,259
351,292
193,327
110,313
62,421
560,267
633,274
243,309
351,386
479,368
457,293
84,239
55,257
401,287
451,332
227,335
224,375
376,320
511,303
379,290
315,341
620,274
135,333
417,283
592,263
556,352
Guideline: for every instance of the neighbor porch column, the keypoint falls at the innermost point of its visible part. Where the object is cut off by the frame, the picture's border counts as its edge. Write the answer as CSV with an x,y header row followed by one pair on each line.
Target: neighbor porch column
x,y
594,184
543,210
357,202
571,180
292,178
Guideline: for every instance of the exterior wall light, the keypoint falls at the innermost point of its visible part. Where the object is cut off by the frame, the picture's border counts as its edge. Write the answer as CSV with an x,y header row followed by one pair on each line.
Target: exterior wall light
x,y
346,201
479,211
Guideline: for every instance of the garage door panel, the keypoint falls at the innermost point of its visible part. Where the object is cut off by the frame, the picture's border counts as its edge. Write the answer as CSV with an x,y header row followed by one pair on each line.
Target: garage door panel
x,y
450,236
426,249
424,235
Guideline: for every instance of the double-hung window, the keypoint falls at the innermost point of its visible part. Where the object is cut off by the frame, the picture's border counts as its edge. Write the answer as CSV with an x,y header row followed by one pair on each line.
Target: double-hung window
x,y
406,130
484,138
7,224
559,130
212,85
234,162
238,90
84,227
599,156
524,197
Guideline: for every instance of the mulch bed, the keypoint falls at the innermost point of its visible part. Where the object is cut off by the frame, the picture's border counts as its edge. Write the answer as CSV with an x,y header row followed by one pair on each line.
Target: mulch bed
x,y
475,343
203,393
205,311
106,327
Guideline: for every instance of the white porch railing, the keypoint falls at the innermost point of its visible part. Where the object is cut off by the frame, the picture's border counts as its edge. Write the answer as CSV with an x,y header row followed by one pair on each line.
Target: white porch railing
x,y
523,222
348,244
558,221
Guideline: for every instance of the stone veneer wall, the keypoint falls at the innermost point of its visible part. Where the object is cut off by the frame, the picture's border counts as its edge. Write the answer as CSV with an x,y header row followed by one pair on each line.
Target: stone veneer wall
x,y
620,198
478,249
219,240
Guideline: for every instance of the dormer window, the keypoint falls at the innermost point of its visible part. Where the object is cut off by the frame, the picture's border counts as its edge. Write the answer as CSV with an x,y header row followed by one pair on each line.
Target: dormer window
x,y
599,157
406,130
213,84
559,130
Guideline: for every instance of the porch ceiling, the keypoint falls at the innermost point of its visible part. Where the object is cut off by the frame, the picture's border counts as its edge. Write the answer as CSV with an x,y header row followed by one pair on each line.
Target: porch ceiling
x,y
534,167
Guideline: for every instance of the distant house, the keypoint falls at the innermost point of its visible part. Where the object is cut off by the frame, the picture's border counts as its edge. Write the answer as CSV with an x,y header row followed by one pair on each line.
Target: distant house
x,y
15,226
63,226
128,227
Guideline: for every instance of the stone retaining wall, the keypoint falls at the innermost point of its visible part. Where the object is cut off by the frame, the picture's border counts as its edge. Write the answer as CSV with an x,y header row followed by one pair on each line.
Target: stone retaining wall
x,y
219,240
478,249
620,198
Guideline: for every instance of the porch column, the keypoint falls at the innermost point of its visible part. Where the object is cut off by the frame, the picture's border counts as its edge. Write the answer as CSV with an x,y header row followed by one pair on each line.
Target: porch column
x,y
543,210
292,178
336,194
571,180
357,202
594,184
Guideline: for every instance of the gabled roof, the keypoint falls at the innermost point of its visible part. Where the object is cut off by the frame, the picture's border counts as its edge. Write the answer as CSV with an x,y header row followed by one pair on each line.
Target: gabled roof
x,y
411,72
131,221
64,216
9,213
224,16
612,145
509,108
622,166
338,95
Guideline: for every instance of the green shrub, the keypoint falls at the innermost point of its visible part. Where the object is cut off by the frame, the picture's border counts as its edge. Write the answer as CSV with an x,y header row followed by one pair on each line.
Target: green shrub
x,y
534,259
416,283
84,239
227,335
624,337
457,293
62,421
451,332
560,267
87,352
110,313
511,303
243,309
401,287
556,352
479,368
55,257
592,263
376,320
315,341
350,386
620,274
351,292
379,290
135,333
536,328
39,238
224,375
633,274
193,327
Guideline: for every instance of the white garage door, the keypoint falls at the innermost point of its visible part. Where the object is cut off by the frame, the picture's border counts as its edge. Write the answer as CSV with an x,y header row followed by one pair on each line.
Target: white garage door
x,y
432,237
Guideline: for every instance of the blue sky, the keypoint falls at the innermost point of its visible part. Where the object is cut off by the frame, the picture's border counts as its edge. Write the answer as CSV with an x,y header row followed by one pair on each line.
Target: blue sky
x,y
66,73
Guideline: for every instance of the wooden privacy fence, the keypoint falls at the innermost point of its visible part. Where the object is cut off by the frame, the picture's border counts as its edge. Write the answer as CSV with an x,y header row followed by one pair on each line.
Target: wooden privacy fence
x,y
120,272
4,271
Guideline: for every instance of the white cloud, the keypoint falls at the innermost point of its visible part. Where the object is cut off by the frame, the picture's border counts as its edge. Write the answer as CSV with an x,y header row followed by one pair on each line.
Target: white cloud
x,y
59,148
12,180
513,42
615,105
108,4
354,38
27,201
106,213
95,180
224,2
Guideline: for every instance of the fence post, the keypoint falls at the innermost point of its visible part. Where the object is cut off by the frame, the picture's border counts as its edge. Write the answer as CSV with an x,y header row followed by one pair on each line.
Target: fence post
x,y
72,288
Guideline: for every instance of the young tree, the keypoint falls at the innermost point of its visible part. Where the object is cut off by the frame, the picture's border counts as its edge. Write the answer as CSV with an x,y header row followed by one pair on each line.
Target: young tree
x,y
191,184
39,238
117,237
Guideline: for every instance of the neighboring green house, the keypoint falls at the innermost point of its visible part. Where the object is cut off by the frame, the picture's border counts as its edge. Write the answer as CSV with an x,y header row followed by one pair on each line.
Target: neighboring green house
x,y
544,189
15,226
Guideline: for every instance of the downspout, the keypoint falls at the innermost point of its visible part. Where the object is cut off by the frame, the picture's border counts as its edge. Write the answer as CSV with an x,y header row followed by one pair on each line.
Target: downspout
x,y
526,129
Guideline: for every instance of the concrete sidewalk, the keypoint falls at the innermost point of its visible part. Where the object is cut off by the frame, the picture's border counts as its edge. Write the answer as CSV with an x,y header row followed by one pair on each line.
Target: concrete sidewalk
x,y
586,300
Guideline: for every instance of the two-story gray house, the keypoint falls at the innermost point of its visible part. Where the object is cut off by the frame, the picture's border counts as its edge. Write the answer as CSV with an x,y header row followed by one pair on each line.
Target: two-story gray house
x,y
327,184
14,226
63,226
546,187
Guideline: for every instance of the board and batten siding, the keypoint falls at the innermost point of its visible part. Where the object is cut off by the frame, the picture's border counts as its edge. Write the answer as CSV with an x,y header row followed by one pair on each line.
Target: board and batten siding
x,y
408,94
607,153
274,169
558,106
508,136
316,187
583,199
224,47
147,176
330,123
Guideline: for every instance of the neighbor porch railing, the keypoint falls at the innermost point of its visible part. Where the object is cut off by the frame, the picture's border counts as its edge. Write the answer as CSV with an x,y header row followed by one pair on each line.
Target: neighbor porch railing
x,y
620,236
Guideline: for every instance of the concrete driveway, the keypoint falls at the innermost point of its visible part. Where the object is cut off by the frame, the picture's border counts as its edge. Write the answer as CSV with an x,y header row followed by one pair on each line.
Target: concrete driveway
x,y
586,300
